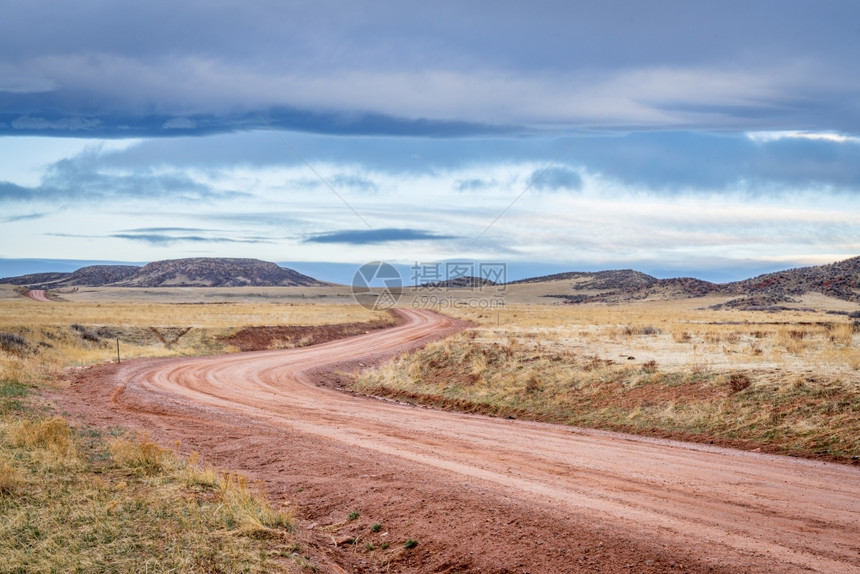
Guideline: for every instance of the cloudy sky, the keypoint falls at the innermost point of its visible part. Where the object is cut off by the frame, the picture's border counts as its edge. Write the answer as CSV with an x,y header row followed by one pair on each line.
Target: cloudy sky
x,y
719,139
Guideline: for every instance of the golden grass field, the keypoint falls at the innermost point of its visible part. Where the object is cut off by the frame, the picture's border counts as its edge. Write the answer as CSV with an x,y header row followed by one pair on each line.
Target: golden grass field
x,y
786,381
82,332
77,499
82,500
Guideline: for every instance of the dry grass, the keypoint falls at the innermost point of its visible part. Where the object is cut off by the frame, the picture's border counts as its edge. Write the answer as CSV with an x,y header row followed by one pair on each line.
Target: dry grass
x,y
39,339
789,380
76,501
680,335
21,311
79,502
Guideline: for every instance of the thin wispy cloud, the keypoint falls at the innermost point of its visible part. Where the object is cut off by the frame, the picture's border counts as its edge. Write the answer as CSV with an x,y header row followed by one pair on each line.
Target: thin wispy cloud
x,y
376,236
24,217
166,239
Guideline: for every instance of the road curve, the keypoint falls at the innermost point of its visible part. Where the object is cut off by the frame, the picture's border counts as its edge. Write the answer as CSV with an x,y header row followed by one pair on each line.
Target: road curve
x,y
38,295
713,509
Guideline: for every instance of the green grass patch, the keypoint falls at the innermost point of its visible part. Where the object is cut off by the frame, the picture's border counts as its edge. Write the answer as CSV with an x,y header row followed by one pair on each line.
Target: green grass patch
x,y
11,393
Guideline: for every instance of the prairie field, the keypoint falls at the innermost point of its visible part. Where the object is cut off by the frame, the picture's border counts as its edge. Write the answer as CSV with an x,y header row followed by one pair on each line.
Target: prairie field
x,y
38,339
89,500
784,382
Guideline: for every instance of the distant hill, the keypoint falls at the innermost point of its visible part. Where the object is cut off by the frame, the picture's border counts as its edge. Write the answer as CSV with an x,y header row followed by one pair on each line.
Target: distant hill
x,y
466,281
100,275
597,280
665,289
35,278
194,272
839,280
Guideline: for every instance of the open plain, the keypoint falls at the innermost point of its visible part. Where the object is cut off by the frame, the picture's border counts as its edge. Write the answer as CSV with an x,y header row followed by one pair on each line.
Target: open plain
x,y
480,494
385,486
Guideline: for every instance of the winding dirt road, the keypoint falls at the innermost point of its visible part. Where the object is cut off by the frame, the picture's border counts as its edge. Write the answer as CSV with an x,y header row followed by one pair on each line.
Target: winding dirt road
x,y
479,494
38,295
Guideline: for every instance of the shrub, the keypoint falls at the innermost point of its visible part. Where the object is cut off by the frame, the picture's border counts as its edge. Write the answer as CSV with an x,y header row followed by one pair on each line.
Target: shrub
x,y
739,382
86,334
649,366
14,344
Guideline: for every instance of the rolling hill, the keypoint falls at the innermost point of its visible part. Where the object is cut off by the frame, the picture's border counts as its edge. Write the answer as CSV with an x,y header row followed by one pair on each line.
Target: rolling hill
x,y
193,272
840,280
597,280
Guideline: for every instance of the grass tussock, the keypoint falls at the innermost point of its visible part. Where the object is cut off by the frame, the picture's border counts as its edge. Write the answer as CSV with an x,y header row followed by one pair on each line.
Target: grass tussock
x,y
77,502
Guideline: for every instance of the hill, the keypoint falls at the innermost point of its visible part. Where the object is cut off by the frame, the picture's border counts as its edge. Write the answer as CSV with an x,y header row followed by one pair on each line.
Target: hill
x,y
100,275
36,278
597,280
193,272
466,281
221,272
840,280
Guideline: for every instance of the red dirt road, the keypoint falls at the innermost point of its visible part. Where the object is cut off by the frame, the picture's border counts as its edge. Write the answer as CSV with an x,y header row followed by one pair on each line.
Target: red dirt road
x,y
478,494
38,295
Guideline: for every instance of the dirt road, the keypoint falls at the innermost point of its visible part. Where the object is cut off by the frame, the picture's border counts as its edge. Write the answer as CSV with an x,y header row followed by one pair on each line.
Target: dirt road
x,y
38,295
478,494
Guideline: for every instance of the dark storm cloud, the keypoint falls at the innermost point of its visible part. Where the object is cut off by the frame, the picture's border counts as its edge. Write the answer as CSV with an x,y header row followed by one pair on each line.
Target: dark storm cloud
x,y
714,162
375,236
409,68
